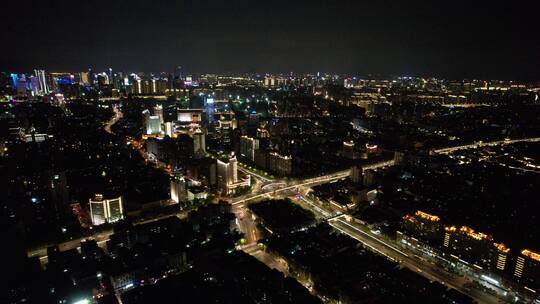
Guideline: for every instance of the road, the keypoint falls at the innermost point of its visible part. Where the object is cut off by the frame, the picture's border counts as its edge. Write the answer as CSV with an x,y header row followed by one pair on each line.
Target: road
x,y
485,144
117,116
421,267
255,174
251,233
380,245
101,238
310,182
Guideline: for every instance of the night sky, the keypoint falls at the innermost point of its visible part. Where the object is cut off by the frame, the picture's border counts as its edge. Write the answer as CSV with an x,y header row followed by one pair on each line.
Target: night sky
x,y
451,39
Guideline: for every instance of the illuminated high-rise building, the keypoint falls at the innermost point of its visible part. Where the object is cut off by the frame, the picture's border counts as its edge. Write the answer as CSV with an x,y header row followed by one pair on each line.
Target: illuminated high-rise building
x,y
34,86
178,189
85,78
248,146
42,79
527,269
158,111
110,76
280,164
168,129
199,142
210,109
22,86
14,78
227,172
106,210
153,125
475,247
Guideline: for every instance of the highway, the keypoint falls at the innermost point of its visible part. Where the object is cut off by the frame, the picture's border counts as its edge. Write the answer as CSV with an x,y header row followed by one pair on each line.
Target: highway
x,y
310,182
101,238
381,245
410,261
484,144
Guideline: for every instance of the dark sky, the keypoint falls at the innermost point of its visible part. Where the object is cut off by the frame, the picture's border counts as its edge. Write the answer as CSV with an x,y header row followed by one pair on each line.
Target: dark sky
x,y
453,39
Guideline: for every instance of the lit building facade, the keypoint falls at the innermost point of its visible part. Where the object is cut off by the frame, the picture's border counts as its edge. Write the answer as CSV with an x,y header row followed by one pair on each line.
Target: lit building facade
x,y
153,125
178,189
227,175
248,146
475,247
158,111
105,210
42,80
199,142
280,164
527,269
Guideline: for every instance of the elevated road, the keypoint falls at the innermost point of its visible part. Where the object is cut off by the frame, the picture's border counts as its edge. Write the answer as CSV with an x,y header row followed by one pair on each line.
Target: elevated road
x,y
428,270
484,144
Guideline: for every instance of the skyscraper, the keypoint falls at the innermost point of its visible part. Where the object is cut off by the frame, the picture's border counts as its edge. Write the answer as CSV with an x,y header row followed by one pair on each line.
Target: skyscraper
x,y
248,146
110,76
34,86
158,111
178,189
105,210
199,142
85,78
153,125
210,109
42,79
227,172
22,85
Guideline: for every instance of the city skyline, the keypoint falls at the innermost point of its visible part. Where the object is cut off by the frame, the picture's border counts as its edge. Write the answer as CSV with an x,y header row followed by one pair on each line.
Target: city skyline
x,y
458,40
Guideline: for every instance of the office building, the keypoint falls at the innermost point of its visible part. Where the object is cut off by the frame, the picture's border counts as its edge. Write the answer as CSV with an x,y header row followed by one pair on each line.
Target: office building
x,y
153,125
105,210
248,146
280,164
227,173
